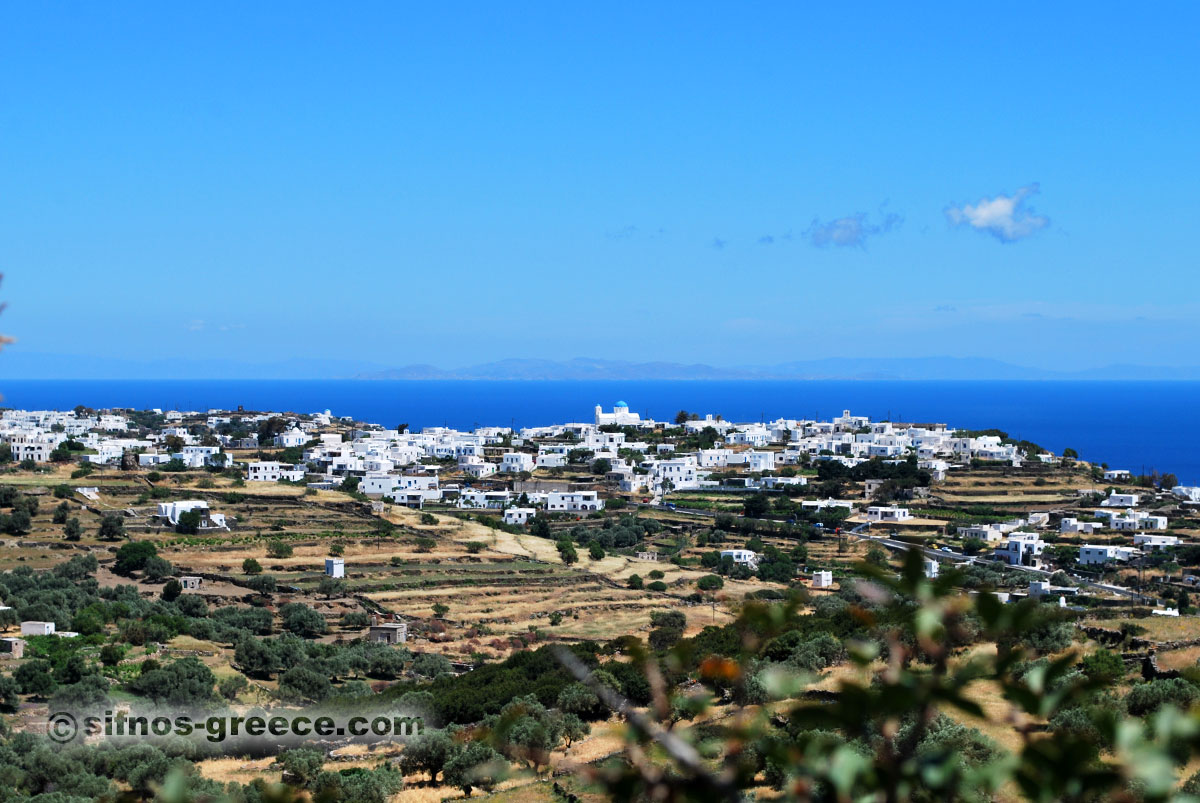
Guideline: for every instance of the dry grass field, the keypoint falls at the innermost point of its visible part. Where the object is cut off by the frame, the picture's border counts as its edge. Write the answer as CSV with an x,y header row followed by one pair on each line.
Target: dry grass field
x,y
502,591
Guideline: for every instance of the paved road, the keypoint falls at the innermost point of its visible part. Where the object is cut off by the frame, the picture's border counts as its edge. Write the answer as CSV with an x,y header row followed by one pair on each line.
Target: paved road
x,y
945,557
958,558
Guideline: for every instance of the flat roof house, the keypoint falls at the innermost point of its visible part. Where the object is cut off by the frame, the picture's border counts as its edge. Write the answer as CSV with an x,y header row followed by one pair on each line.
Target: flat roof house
x,y
1149,541
388,633
518,515
883,513
744,557
1095,554
574,501
37,628
12,648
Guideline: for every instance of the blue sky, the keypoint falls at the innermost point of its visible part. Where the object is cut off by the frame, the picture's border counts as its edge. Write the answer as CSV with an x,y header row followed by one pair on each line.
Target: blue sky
x,y
735,183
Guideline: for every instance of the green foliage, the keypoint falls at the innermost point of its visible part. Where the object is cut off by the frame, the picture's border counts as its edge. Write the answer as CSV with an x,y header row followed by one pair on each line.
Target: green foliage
x,y
231,686
186,682
157,568
262,583
475,766
428,752
430,665
171,591
566,551
330,587
279,549
132,557
302,765
355,620
1103,666
112,527
35,678
111,654
886,736
189,522
540,527
72,530
1146,698
756,506
303,684
302,620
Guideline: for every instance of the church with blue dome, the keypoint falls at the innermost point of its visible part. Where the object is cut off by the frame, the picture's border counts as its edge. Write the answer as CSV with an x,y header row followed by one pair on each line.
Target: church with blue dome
x,y
620,416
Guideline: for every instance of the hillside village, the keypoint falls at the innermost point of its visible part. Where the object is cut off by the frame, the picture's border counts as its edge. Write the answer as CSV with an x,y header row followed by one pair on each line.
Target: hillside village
x,y
686,463
431,558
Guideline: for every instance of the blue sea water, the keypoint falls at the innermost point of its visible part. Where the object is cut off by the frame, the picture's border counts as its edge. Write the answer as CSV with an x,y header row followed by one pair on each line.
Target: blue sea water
x,y
1133,425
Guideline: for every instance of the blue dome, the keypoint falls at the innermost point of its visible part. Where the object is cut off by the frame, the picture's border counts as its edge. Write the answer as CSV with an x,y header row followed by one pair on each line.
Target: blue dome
x,y
623,404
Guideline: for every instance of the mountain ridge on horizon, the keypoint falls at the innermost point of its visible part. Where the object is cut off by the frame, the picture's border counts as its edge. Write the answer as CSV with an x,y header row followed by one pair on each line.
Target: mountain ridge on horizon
x,y
31,366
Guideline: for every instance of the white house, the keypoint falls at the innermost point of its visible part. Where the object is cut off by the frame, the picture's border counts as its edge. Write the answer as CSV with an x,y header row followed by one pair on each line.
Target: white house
x,y
700,424
1021,549
1149,541
293,437
1073,525
478,468
27,446
1134,520
271,471
1188,493
171,511
1116,474
822,579
713,458
743,557
680,472
487,500
984,532
335,567
784,482
1120,500
519,515
37,628
574,501
1095,554
516,462
930,567
884,513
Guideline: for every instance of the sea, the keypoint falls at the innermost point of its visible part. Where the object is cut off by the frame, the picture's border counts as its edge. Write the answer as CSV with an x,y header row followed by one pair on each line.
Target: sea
x,y
1139,426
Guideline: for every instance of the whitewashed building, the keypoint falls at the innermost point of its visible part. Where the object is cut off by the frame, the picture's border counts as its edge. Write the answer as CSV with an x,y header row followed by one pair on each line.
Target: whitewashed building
x,y
574,501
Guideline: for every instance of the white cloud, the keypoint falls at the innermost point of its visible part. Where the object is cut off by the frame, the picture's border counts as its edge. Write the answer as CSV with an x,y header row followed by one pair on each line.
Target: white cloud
x,y
849,231
1005,217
